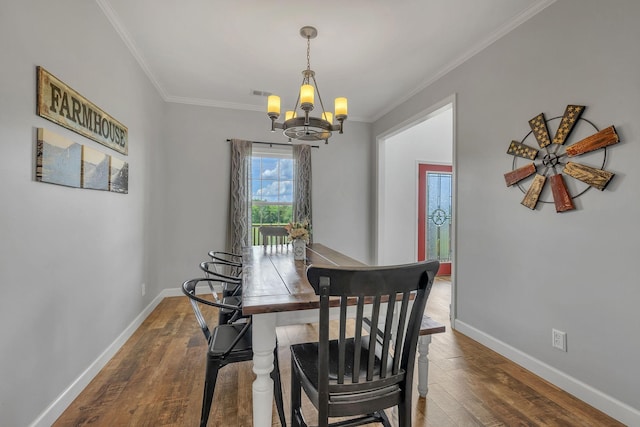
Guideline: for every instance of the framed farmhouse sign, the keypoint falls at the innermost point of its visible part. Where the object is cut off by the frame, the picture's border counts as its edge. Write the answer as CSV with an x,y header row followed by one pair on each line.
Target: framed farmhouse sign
x,y
63,105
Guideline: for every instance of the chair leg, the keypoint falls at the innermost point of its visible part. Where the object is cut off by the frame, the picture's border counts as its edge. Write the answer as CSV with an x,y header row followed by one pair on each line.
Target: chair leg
x,y
211,375
277,387
404,413
296,397
383,418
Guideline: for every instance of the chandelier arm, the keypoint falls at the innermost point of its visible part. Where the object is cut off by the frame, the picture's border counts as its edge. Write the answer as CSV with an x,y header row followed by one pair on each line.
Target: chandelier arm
x,y
319,97
295,107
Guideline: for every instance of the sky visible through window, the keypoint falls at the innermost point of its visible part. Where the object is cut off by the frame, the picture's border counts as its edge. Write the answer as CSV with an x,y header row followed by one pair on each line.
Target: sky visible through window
x,y
272,179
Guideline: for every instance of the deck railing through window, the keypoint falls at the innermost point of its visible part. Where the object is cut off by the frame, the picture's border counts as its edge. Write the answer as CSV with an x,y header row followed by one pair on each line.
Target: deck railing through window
x,y
256,237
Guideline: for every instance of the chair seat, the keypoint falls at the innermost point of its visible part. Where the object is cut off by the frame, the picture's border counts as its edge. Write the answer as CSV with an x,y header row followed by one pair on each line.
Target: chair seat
x,y
305,353
222,338
387,390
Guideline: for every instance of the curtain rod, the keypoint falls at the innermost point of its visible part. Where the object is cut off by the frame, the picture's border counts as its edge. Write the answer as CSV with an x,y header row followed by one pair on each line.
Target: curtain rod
x,y
275,143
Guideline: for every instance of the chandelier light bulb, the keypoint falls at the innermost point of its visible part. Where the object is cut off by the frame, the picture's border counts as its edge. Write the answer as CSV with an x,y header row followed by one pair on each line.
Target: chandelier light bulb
x,y
341,108
273,106
289,115
306,96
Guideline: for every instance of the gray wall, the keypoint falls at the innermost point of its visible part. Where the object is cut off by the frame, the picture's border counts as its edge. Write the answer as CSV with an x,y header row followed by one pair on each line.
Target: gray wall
x,y
520,273
72,261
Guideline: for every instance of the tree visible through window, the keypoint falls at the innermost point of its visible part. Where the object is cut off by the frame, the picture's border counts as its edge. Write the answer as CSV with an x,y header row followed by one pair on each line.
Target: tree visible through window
x,y
271,190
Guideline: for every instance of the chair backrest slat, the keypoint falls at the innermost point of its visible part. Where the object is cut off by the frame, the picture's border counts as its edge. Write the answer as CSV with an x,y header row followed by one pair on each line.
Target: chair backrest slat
x,y
400,331
341,339
388,334
375,315
358,340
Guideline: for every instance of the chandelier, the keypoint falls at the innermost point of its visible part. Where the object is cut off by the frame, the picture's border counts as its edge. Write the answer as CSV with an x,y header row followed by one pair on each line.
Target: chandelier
x,y
307,127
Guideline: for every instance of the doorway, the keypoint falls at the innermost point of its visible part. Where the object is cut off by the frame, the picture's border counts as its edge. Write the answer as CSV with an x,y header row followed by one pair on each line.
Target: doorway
x,y
426,138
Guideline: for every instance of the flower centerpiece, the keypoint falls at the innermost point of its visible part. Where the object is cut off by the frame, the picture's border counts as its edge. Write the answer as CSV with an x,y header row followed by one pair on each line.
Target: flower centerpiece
x,y
299,236
298,230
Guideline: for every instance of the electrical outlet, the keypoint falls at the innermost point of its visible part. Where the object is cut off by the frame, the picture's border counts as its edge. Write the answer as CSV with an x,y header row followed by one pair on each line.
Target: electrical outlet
x,y
559,340
143,289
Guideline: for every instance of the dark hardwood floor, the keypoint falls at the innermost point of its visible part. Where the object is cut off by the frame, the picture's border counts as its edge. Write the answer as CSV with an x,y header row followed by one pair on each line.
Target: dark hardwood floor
x,y
156,379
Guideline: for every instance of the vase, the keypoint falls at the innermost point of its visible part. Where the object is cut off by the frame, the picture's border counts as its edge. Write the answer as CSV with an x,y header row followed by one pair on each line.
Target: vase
x,y
299,249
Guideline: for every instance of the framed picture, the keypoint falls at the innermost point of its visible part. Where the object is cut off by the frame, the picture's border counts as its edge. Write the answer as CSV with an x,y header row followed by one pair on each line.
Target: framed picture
x,y
58,159
119,176
95,169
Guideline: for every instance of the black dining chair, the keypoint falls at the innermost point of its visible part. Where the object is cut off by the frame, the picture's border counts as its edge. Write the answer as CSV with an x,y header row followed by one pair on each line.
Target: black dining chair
x,y
230,272
226,257
230,291
358,375
227,343
234,261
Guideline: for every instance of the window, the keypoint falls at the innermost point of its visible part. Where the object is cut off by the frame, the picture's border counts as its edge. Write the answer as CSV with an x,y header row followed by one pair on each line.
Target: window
x,y
271,190
439,216
434,214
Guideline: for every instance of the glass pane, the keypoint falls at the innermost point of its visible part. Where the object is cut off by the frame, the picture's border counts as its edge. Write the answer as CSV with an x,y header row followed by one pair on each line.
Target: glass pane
x,y
260,214
269,168
286,213
286,169
255,167
269,191
286,192
438,216
256,186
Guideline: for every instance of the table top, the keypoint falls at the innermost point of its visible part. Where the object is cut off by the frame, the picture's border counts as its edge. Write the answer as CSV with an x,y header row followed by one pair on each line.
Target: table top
x,y
272,281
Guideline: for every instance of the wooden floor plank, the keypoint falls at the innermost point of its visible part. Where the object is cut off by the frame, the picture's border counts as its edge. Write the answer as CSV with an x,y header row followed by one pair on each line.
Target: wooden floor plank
x,y
156,379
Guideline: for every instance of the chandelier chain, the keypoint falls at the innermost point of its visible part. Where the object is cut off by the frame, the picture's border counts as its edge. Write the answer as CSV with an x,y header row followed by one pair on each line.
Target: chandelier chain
x,y
308,57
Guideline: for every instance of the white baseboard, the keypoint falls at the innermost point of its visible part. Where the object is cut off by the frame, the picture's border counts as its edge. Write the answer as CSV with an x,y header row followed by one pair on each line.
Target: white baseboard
x,y
57,407
605,403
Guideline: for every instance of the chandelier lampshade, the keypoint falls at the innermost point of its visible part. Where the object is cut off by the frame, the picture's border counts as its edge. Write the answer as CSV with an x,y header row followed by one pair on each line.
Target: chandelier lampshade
x,y
306,127
273,105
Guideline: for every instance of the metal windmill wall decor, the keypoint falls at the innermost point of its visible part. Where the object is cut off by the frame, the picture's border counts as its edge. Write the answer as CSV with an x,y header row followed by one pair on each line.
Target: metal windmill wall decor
x,y
552,160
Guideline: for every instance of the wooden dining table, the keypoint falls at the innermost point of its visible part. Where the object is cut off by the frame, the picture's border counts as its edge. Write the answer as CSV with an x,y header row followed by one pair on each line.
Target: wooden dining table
x,y
276,292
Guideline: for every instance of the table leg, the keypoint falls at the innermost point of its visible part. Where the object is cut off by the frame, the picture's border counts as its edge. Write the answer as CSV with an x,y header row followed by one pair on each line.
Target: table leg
x,y
423,364
264,342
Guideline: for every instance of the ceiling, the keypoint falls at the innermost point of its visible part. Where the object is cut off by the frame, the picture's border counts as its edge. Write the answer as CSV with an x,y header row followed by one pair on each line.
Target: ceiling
x,y
377,53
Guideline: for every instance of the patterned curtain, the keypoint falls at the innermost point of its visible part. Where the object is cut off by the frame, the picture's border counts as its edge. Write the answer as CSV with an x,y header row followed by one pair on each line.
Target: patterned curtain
x,y
302,183
239,225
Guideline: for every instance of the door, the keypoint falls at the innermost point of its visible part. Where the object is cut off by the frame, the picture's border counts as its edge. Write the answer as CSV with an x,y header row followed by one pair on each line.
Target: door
x,y
434,215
